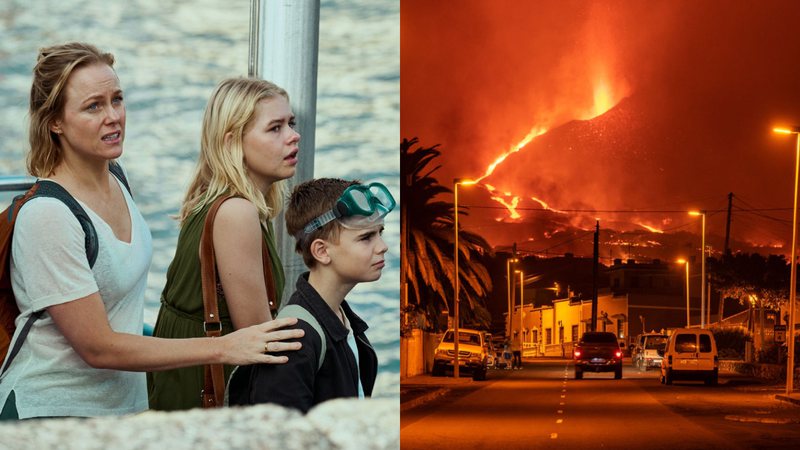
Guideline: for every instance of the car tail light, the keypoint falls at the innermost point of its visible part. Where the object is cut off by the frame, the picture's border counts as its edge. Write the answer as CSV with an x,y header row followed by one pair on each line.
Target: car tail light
x,y
577,353
619,353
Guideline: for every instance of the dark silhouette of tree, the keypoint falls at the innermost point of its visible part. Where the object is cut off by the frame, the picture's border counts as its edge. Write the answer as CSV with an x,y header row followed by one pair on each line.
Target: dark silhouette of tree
x,y
740,275
428,258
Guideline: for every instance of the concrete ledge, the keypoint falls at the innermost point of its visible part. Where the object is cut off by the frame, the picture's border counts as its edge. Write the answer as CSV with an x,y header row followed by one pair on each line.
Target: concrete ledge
x,y
337,424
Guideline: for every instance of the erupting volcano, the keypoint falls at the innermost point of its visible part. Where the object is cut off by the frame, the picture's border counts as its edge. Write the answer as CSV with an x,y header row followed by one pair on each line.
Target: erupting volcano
x,y
630,113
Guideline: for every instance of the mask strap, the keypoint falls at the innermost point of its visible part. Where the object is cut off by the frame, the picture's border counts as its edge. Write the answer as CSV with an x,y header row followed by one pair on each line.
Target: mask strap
x,y
320,221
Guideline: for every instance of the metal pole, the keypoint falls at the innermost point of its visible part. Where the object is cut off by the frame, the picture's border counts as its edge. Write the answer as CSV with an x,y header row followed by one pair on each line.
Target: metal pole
x,y
793,277
703,276
286,54
508,285
521,303
595,275
687,295
457,285
253,66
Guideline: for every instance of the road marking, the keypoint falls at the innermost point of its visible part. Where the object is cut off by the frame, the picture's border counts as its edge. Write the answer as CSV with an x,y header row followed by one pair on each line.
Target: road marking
x,y
561,411
561,404
563,396
559,420
553,435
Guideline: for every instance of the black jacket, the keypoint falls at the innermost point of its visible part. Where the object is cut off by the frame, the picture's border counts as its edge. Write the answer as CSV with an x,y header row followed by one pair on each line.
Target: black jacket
x,y
298,383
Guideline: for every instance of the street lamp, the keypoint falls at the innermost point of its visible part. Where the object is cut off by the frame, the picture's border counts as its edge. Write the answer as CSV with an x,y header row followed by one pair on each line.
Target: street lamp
x,y
702,270
682,261
793,276
521,300
456,182
509,281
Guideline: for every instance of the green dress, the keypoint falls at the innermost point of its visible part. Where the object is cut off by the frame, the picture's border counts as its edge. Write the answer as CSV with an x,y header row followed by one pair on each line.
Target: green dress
x,y
181,315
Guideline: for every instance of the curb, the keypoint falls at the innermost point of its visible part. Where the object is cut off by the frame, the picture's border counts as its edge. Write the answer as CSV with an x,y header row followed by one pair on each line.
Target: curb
x,y
413,403
771,420
786,398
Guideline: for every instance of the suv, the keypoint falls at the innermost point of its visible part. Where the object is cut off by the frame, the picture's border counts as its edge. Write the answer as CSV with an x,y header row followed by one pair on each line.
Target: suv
x,y
473,354
691,354
598,351
649,350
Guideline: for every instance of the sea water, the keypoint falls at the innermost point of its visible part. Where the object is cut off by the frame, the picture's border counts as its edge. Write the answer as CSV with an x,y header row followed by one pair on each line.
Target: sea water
x,y
170,55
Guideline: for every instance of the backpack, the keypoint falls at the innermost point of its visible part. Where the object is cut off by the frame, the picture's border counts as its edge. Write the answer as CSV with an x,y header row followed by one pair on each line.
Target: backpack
x,y
292,310
8,303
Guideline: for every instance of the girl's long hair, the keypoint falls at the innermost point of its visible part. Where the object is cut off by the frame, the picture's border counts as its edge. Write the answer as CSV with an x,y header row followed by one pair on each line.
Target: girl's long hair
x,y
221,167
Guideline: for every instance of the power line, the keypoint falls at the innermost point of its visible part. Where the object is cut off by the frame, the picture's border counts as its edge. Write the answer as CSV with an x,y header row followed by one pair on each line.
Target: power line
x,y
627,211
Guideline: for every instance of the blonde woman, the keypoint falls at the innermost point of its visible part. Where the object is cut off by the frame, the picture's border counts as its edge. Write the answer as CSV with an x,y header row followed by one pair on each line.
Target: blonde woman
x,y
85,354
248,147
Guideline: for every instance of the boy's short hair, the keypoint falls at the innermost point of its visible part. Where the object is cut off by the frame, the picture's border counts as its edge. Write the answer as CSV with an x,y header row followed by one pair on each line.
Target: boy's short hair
x,y
308,201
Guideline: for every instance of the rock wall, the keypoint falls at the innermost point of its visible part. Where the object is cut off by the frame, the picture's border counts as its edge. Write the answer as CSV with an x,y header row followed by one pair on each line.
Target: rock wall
x,y
337,424
772,372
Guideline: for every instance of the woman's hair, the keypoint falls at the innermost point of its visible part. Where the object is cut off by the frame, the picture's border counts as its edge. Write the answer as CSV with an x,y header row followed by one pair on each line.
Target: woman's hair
x,y
221,167
54,65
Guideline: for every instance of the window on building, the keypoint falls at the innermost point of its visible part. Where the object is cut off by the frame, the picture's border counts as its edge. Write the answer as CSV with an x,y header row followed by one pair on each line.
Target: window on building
x,y
560,335
548,335
575,333
535,336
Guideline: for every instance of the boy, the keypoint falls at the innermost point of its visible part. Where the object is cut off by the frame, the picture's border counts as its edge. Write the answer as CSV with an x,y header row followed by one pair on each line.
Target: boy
x,y
337,225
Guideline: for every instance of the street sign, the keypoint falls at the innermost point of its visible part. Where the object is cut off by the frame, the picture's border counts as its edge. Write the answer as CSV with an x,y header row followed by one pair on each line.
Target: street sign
x,y
780,333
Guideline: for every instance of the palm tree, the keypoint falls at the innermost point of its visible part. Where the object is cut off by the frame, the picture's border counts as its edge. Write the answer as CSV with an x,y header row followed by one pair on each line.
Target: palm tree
x,y
427,225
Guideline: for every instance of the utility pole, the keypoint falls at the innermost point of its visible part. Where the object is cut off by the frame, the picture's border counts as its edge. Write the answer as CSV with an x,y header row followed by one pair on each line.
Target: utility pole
x,y
728,226
595,274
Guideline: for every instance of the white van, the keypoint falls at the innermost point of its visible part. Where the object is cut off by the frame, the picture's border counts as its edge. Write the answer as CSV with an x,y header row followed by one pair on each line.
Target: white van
x,y
691,354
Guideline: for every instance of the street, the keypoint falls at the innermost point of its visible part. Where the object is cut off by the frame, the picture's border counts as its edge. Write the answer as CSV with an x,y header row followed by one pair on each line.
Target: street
x,y
543,406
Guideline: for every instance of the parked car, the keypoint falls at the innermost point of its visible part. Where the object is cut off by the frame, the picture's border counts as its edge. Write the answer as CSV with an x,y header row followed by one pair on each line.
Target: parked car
x,y
598,351
491,353
473,354
691,354
500,360
648,350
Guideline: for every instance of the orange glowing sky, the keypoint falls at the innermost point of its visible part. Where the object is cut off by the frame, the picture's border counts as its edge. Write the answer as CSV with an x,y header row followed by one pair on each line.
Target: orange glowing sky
x,y
608,105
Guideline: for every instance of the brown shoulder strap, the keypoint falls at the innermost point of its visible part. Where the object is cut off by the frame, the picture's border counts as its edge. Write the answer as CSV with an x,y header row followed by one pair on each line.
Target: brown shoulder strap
x,y
213,391
269,281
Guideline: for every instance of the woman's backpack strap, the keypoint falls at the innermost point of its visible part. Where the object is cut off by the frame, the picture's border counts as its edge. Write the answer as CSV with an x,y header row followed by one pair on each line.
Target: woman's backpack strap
x,y
54,190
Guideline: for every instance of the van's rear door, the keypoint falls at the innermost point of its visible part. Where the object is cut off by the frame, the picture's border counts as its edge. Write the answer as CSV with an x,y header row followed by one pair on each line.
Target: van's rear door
x,y
685,352
705,356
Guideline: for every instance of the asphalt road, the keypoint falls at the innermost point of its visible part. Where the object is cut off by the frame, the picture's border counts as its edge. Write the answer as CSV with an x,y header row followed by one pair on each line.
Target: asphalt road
x,y
543,406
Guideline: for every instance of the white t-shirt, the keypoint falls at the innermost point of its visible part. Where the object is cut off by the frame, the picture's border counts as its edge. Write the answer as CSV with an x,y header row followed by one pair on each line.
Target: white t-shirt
x,y
351,342
49,267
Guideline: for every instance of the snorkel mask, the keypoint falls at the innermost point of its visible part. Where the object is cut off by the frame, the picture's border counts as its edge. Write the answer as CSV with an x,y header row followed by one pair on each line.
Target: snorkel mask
x,y
360,206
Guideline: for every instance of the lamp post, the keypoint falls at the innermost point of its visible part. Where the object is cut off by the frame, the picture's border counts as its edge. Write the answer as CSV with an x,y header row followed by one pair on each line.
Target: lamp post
x,y
456,182
702,269
686,261
521,300
521,305
793,276
509,261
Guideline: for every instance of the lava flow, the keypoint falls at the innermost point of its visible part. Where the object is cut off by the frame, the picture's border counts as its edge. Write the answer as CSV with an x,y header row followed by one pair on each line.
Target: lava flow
x,y
603,100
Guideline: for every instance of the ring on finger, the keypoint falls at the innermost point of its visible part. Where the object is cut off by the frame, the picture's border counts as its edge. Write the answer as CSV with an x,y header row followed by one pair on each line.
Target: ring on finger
x,y
266,347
